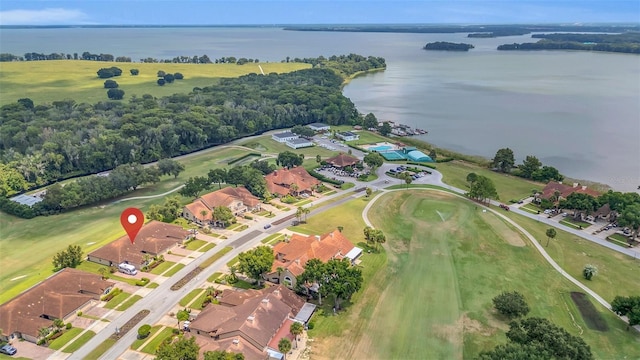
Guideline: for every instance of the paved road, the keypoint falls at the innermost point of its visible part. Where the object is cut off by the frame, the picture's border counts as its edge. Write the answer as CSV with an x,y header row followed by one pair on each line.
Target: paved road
x,y
162,299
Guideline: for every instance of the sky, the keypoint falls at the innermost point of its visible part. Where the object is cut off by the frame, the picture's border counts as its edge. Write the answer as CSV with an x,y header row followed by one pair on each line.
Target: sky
x,y
251,12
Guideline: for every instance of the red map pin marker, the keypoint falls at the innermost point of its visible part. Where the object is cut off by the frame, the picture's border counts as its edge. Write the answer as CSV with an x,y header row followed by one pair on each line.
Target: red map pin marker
x,y
132,220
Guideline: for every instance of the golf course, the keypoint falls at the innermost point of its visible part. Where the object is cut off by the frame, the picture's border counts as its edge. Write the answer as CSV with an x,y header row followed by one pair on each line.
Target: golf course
x,y
432,297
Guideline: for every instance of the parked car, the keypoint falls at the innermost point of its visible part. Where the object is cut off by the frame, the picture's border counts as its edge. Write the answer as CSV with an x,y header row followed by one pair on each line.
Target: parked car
x,y
8,350
267,226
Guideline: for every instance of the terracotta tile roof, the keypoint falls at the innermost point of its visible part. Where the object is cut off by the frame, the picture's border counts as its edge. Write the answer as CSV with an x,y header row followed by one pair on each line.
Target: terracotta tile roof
x,y
231,344
293,255
154,238
231,297
565,190
343,160
225,197
56,297
196,208
281,179
283,332
256,320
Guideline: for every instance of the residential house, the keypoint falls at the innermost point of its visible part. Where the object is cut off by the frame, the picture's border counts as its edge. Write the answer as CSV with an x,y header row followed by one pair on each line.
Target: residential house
x,y
342,160
60,296
251,325
299,143
153,239
319,127
284,136
292,256
605,213
563,191
238,199
281,182
348,136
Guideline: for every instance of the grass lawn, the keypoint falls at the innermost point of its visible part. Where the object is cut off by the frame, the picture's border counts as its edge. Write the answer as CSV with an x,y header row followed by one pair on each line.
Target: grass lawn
x,y
129,302
303,202
233,226
164,266
138,342
214,276
174,270
241,284
29,245
530,208
207,247
116,300
241,228
233,261
454,260
92,267
366,137
152,346
79,342
101,349
197,304
215,257
58,343
153,285
190,296
574,223
195,244
272,239
509,187
572,253
347,185
46,81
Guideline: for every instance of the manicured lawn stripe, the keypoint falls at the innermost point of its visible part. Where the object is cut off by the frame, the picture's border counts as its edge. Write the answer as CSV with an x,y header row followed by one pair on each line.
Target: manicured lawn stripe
x,y
58,343
164,266
215,257
195,244
129,302
152,346
138,342
79,342
207,247
214,276
101,349
273,238
197,304
190,296
153,285
174,269
113,303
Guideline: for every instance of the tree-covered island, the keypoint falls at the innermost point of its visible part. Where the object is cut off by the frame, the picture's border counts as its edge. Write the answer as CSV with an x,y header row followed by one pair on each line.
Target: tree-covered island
x,y
448,46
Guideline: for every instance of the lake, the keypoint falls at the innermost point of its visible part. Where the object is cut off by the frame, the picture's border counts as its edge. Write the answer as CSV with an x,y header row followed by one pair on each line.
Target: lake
x,y
577,111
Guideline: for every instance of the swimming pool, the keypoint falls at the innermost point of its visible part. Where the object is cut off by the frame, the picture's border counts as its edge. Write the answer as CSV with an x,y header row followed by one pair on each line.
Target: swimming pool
x,y
380,148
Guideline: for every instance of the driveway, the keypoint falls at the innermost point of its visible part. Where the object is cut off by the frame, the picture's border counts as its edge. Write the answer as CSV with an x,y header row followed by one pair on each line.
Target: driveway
x,y
31,351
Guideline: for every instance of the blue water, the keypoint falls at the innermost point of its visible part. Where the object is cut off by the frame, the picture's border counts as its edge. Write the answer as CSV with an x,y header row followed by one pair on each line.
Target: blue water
x,y
381,148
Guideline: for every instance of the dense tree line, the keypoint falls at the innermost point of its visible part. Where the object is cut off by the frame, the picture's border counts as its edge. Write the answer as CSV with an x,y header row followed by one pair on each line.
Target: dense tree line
x,y
531,168
344,65
624,43
44,143
336,277
448,46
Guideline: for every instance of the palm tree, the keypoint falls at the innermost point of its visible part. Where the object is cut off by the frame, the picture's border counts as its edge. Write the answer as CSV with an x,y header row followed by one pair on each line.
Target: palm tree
x,y
103,272
551,233
284,346
305,211
367,233
43,332
204,214
58,323
294,188
279,270
299,212
407,179
589,271
295,330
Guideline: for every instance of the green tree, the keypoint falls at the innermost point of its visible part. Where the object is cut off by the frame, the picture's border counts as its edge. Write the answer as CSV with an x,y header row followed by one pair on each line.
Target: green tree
x,y
589,271
71,257
161,73
342,279
161,82
134,72
545,335
629,307
169,78
194,186
289,159
296,330
115,94
315,273
369,191
178,76
373,160
482,189
511,304
370,121
182,315
377,237
547,173
368,234
504,160
551,234
630,217
110,84
471,178
217,176
284,346
433,155
223,215
318,159
144,331
182,349
256,262
43,332
58,323
529,165
170,166
385,129
235,176
407,179
515,351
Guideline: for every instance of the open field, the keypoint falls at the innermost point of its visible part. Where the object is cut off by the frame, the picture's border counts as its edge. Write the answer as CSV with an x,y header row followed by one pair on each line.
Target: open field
x,y
454,262
47,81
509,187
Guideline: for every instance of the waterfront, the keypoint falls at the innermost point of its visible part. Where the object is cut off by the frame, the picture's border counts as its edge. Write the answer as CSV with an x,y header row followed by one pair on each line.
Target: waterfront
x,y
579,112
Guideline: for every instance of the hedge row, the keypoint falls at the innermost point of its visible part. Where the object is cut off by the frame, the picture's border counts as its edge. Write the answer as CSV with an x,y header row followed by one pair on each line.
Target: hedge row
x,y
421,164
233,161
324,178
444,160
357,148
19,210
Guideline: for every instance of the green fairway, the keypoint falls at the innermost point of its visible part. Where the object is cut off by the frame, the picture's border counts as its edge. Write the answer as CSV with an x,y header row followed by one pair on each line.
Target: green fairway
x,y
47,81
509,187
446,261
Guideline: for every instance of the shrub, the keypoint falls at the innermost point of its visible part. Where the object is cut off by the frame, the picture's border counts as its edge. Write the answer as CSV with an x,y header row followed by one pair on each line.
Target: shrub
x,y
142,282
288,199
144,331
68,326
311,325
115,94
134,72
41,342
106,73
79,313
511,304
178,76
175,331
161,82
110,84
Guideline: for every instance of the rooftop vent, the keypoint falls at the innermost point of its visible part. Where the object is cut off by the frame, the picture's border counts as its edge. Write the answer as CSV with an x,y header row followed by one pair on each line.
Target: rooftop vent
x,y
236,341
265,301
251,318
